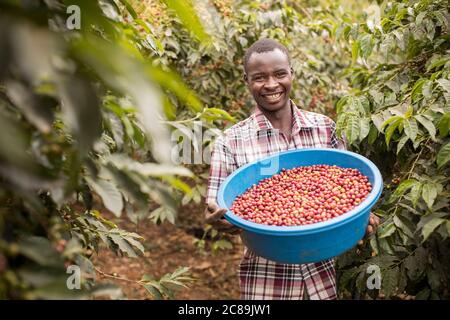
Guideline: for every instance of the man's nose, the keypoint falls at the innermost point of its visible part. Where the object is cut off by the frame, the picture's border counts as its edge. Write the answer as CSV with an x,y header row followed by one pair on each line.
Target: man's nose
x,y
271,83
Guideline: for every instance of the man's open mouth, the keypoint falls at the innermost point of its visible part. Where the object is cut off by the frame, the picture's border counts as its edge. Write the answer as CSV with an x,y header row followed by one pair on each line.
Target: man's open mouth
x,y
273,97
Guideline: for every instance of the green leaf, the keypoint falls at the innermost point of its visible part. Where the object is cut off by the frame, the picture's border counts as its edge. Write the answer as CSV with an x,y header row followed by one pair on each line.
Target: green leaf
x,y
40,250
445,84
418,141
404,225
390,98
391,129
429,193
362,105
340,123
442,17
128,127
420,17
402,280
35,108
128,186
427,89
364,128
340,104
56,290
111,197
131,78
386,231
217,113
153,291
416,91
408,114
374,245
355,51
437,63
444,125
161,214
80,106
148,169
222,244
434,278
178,184
112,122
389,281
14,147
377,96
385,245
168,283
415,193
366,45
430,226
123,245
174,83
180,271
139,135
443,155
416,263
39,276
428,125
188,16
411,128
352,131
403,187
378,121
197,197
129,8
401,143
373,134
136,244
347,276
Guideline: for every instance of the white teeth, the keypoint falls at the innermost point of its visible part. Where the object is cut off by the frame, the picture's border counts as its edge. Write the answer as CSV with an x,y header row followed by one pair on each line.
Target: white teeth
x,y
273,96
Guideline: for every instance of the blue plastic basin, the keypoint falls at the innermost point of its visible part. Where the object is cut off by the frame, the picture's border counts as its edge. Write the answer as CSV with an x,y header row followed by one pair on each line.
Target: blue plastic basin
x,y
308,243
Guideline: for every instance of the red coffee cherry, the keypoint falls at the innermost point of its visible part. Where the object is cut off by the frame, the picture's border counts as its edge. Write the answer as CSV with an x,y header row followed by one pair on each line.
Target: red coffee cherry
x,y
303,195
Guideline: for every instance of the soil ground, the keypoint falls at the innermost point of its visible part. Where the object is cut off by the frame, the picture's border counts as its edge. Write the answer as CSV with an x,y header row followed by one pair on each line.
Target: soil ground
x,y
167,247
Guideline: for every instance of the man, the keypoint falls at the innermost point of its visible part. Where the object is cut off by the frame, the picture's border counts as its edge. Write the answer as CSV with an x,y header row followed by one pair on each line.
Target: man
x,y
276,125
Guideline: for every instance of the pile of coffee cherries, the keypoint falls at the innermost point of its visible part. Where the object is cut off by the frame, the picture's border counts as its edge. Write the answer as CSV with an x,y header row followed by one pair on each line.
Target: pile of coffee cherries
x,y
303,195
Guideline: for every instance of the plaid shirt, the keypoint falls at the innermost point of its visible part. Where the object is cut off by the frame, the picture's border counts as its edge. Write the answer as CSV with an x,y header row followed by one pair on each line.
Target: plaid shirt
x,y
250,140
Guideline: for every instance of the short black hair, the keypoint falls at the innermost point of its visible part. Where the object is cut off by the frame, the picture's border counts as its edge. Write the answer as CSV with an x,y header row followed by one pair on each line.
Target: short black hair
x,y
264,45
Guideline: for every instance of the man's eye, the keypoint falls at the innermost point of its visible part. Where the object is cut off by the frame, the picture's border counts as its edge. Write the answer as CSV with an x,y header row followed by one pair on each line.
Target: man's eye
x,y
281,74
260,78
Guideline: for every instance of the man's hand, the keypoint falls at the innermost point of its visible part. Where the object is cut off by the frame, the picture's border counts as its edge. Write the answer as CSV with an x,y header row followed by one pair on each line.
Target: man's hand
x,y
214,217
374,221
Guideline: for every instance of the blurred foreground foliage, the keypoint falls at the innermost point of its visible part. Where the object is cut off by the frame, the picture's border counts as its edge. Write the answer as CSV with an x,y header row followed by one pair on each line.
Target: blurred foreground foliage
x,y
82,116
91,115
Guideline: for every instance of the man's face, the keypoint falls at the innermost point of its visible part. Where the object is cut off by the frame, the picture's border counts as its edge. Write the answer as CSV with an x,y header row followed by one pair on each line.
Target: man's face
x,y
269,78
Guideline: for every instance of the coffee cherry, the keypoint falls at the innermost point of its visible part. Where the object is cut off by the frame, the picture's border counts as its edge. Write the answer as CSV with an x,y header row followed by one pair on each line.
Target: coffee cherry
x,y
303,195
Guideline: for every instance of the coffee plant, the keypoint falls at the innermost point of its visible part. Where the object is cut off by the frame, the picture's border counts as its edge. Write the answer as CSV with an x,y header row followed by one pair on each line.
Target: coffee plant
x,y
82,115
398,115
91,108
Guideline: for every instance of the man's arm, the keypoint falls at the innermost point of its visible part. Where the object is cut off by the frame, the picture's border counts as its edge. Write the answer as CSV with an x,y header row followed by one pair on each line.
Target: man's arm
x,y
222,164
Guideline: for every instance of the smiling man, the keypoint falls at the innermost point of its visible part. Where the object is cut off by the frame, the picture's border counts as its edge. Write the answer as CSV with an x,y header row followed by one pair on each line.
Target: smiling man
x,y
276,125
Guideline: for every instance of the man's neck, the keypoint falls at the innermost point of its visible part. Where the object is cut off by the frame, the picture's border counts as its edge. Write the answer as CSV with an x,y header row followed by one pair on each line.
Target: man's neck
x,y
281,119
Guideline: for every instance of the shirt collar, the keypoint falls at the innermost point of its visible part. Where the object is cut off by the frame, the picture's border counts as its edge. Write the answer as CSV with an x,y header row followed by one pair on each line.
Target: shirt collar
x,y
300,120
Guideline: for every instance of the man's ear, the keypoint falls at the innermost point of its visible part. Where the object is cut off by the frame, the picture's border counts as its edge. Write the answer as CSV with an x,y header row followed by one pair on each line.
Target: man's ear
x,y
245,77
292,72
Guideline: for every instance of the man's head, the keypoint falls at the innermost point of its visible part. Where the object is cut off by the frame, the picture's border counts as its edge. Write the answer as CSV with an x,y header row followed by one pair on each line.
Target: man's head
x,y
268,74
